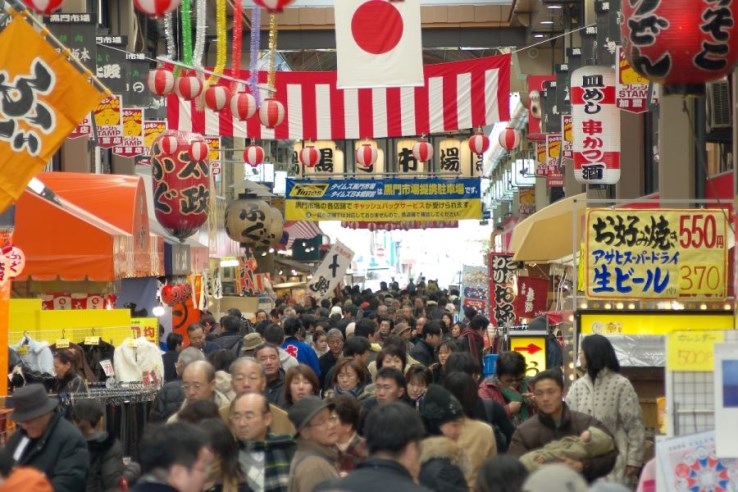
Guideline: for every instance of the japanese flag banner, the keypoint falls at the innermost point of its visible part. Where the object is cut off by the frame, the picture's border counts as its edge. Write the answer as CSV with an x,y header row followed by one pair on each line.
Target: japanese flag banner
x,y
330,273
42,99
378,44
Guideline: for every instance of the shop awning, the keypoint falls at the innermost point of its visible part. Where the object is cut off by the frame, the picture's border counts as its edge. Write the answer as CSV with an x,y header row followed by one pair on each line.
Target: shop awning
x,y
65,242
118,200
546,235
301,229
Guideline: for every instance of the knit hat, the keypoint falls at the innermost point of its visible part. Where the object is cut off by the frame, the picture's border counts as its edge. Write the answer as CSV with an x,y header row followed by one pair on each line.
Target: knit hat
x,y
555,477
437,407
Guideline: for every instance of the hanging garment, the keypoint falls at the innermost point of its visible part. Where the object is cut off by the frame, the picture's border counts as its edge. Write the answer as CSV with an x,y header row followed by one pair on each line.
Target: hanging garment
x,y
98,358
138,361
38,357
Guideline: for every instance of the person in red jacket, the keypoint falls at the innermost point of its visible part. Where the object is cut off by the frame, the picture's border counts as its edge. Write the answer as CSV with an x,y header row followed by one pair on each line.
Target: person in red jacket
x,y
510,388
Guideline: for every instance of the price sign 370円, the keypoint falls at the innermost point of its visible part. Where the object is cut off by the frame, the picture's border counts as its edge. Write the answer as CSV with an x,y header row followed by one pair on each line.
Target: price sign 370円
x,y
657,253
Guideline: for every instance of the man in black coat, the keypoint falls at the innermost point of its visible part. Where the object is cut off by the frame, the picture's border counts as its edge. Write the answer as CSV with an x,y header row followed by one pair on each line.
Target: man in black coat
x,y
424,349
329,359
393,434
170,397
46,441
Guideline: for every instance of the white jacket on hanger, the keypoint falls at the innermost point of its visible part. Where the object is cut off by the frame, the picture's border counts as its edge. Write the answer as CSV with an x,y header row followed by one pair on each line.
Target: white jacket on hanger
x,y
39,356
141,363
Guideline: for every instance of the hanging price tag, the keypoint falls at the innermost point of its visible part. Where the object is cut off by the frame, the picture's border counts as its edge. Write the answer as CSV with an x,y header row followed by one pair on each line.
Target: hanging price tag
x,y
92,340
62,343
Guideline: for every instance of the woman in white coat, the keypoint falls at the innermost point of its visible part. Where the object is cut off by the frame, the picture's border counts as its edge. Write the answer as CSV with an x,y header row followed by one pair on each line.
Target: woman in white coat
x,y
611,399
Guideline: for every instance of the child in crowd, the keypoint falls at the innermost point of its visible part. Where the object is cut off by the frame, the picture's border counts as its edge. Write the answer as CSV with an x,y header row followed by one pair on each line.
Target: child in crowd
x,y
591,443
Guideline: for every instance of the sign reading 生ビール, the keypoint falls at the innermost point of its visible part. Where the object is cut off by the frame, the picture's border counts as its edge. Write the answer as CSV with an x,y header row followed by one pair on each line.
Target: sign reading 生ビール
x,y
659,253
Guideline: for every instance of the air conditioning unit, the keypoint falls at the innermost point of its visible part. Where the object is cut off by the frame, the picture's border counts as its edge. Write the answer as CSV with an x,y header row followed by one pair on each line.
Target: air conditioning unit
x,y
719,114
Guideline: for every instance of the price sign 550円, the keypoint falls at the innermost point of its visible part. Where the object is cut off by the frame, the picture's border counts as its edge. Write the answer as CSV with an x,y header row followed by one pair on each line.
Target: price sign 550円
x,y
660,253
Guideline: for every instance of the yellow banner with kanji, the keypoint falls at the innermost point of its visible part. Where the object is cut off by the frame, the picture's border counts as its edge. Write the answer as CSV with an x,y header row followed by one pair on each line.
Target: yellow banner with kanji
x,y
42,99
658,253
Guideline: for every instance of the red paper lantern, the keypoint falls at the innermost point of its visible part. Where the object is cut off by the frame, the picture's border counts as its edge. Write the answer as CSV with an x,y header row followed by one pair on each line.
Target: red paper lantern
x,y
188,87
14,259
681,44
509,139
273,6
217,97
169,144
309,156
423,150
479,143
160,81
199,150
44,7
185,291
271,113
253,155
366,155
181,185
243,105
167,295
156,8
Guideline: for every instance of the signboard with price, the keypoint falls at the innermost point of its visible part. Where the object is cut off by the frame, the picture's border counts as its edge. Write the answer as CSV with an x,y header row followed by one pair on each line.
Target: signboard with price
x,y
145,327
658,253
688,351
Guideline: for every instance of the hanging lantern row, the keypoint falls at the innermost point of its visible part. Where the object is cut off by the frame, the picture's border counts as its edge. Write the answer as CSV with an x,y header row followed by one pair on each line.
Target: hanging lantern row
x,y
173,294
309,156
366,155
423,150
44,7
217,97
509,139
400,226
479,143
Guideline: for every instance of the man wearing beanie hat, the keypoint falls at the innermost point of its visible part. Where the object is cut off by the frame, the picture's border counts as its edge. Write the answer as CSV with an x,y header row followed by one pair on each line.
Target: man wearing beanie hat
x,y
46,441
443,463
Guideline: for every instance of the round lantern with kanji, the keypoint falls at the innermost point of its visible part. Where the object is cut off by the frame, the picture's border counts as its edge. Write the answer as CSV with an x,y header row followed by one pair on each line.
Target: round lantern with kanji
x,y
366,155
156,8
160,81
243,105
273,6
423,150
681,44
271,113
247,220
509,139
181,184
217,97
188,87
479,143
253,155
44,7
275,227
309,156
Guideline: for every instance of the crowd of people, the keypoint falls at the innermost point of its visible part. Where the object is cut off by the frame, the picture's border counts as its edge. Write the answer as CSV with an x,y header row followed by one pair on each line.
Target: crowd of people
x,y
364,391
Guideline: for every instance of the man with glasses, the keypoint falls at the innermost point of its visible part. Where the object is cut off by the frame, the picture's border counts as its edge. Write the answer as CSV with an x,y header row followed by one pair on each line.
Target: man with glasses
x,y
329,359
265,457
198,382
316,456
196,335
554,421
248,377
509,387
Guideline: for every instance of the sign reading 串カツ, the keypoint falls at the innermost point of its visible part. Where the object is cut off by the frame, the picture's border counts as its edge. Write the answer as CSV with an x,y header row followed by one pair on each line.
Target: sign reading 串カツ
x,y
658,253
383,200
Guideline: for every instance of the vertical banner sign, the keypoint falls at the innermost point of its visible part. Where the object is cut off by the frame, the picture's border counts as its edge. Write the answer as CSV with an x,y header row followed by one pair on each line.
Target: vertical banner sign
x,y
475,289
44,97
532,297
632,88
596,126
109,122
123,73
535,110
133,136
331,271
541,153
77,32
379,165
214,154
151,131
502,279
656,254
554,170
567,151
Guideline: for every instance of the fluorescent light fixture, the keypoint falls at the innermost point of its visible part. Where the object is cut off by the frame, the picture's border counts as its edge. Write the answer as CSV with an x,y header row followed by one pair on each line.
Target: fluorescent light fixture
x,y
547,22
229,261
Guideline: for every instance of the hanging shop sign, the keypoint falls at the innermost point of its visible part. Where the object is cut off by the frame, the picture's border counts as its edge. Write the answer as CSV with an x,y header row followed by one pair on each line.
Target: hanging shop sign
x,y
533,348
84,129
541,153
214,144
133,134
567,148
554,169
330,159
662,253
535,111
502,285
77,32
383,200
145,327
453,156
596,125
527,201
123,72
632,88
475,288
651,323
109,122
331,271
151,130
532,297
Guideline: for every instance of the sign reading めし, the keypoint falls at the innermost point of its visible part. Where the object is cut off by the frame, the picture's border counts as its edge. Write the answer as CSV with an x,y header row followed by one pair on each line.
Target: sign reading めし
x,y
659,253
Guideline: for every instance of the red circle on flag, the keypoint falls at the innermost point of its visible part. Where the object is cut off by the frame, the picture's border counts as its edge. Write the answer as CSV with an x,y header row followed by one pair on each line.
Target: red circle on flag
x,y
377,26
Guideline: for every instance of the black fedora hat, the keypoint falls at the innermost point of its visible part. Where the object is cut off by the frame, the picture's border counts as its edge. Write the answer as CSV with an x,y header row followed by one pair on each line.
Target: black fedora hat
x,y
30,402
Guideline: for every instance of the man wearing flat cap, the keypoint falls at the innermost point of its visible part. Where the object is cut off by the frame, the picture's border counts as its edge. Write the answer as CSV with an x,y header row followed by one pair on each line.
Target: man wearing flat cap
x,y
46,441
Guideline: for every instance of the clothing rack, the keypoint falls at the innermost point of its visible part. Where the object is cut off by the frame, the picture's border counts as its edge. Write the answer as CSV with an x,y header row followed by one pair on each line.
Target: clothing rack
x,y
115,393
